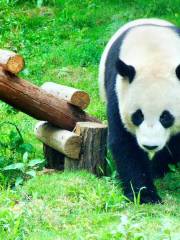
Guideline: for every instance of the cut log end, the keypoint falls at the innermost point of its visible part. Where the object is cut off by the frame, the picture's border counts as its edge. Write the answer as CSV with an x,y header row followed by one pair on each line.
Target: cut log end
x,y
11,61
80,99
15,64
72,147
88,125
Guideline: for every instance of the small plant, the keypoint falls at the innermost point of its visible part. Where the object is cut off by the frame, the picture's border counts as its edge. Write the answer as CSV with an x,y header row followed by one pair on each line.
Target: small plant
x,y
111,168
137,197
25,169
17,158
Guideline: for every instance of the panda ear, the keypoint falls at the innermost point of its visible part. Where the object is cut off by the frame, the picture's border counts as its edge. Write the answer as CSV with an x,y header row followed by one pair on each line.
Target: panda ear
x,y
178,71
125,70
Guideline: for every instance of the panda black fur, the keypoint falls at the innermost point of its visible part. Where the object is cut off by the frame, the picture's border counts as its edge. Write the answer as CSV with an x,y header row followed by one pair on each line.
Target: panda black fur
x,y
139,78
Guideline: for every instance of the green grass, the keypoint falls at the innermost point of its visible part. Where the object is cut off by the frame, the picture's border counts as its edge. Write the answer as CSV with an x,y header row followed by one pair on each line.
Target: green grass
x,y
62,41
79,206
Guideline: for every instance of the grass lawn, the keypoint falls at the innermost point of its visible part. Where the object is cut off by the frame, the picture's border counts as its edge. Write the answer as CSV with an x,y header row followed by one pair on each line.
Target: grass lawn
x,y
62,41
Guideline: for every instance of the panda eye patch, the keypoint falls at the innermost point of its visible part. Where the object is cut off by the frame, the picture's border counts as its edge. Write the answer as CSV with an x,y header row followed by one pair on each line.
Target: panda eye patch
x,y
137,117
178,72
166,119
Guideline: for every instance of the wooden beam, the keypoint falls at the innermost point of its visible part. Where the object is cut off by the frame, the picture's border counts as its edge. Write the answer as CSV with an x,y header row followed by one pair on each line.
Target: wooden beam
x,y
73,96
11,61
37,103
64,141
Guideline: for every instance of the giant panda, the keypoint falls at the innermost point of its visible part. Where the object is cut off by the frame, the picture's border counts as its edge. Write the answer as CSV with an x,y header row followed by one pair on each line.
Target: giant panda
x,y
139,79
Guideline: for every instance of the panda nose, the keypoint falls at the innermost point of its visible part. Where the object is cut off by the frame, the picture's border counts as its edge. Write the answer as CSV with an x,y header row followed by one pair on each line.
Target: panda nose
x,y
150,147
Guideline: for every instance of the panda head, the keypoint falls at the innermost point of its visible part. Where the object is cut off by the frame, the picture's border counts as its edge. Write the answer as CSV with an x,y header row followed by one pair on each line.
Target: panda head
x,y
149,102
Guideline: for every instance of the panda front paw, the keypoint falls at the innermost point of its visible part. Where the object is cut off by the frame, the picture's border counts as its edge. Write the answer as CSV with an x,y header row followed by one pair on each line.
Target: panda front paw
x,y
145,196
150,198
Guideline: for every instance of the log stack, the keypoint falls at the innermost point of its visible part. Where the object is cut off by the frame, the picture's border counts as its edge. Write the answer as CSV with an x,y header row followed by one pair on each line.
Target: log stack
x,y
71,138
82,148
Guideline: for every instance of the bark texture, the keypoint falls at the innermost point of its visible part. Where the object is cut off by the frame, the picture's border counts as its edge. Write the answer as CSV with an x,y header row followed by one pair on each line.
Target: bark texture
x,y
93,148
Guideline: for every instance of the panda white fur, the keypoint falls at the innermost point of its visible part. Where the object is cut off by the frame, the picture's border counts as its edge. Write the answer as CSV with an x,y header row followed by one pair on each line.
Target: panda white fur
x,y
139,78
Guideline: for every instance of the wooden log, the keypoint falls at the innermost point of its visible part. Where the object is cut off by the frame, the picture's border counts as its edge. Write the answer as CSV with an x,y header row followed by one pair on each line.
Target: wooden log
x,y
93,148
62,141
73,96
35,102
54,159
11,61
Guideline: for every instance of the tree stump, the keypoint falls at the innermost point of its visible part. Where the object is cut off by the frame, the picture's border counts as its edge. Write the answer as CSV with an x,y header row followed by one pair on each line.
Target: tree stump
x,y
54,159
92,153
93,148
71,164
